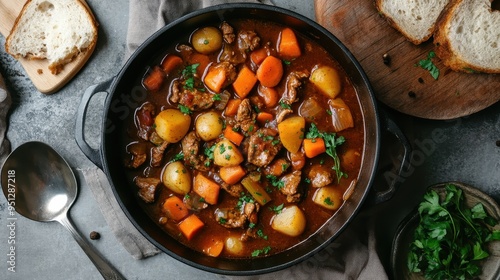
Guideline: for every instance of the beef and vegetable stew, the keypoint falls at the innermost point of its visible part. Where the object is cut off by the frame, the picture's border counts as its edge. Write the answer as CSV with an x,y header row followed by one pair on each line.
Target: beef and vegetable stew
x,y
249,140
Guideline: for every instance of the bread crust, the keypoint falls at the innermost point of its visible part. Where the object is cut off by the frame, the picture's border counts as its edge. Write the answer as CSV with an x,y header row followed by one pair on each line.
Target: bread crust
x,y
444,49
55,67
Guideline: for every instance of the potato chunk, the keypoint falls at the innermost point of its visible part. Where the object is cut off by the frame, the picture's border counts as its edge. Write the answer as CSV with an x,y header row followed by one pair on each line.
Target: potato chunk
x,y
326,79
290,221
172,125
328,197
209,125
291,132
177,178
227,154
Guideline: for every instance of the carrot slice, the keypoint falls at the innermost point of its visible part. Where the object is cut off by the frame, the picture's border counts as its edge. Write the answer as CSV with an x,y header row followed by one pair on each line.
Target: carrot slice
x,y
257,56
190,226
232,135
213,247
170,62
244,82
215,78
203,61
175,208
232,174
264,117
206,188
270,71
314,147
232,107
269,95
154,79
289,46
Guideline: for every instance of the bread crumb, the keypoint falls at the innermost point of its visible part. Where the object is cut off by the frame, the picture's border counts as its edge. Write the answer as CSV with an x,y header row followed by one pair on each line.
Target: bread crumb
x,y
39,71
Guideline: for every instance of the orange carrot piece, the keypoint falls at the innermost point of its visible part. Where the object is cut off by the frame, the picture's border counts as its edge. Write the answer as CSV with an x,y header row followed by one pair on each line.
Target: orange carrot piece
x,y
257,56
202,59
215,78
264,117
175,208
154,79
244,82
314,147
289,46
206,188
270,71
170,62
232,174
232,135
277,167
213,247
232,107
190,226
269,95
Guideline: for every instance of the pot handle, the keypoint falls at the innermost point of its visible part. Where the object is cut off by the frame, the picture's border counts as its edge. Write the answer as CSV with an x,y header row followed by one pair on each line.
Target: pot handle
x,y
92,154
390,173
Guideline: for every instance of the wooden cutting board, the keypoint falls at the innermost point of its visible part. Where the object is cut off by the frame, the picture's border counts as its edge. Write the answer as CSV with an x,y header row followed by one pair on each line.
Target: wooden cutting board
x,y
37,70
401,85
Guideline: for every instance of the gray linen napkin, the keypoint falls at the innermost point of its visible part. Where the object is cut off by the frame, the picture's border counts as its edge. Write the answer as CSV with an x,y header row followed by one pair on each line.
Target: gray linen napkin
x,y
351,256
5,102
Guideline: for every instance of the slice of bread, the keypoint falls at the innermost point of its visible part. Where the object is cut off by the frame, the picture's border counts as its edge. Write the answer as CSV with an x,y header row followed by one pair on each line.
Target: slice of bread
x,y
415,19
57,30
467,37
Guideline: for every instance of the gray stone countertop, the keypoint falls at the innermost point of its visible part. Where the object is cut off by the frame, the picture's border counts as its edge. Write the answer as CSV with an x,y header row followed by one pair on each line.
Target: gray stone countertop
x,y
464,149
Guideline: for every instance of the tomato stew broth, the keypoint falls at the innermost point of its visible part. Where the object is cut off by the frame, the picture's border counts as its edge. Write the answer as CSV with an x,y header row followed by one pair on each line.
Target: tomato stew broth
x,y
252,232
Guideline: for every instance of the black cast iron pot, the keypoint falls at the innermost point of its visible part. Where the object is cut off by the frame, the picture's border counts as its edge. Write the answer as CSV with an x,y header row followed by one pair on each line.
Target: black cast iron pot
x,y
122,99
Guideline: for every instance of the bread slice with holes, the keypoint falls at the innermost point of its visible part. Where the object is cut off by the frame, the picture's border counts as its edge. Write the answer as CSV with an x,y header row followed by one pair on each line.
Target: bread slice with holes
x,y
467,37
415,19
57,30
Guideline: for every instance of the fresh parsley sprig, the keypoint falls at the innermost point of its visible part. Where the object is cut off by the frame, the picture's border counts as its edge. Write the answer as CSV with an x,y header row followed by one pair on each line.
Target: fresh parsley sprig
x,y
450,238
332,141
428,65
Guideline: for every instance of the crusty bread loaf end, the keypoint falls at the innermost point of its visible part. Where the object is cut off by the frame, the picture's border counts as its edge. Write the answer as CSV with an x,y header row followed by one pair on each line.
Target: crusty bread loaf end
x,y
57,30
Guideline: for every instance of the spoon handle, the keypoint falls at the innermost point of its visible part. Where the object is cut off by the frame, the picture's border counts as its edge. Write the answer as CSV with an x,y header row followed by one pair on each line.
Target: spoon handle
x,y
106,270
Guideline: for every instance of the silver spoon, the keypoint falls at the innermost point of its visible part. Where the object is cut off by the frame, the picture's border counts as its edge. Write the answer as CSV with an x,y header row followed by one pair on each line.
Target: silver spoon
x,y
44,188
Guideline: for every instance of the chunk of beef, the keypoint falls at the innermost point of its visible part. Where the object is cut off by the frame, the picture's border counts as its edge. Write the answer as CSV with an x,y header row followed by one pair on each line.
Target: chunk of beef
x,y
191,149
282,113
245,117
138,154
157,154
263,146
248,40
291,186
227,32
234,218
298,160
320,176
233,190
293,83
192,98
231,54
144,118
147,188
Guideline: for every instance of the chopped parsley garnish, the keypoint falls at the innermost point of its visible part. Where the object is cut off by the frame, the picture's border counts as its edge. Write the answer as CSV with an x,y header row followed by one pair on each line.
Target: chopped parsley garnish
x,y
185,110
277,209
331,144
178,157
428,65
275,181
328,201
209,152
216,97
244,199
263,251
261,234
451,238
284,105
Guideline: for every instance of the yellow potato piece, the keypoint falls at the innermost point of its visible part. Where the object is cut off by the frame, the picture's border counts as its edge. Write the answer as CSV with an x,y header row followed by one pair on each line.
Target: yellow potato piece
x,y
328,197
172,125
290,221
327,80
177,178
291,132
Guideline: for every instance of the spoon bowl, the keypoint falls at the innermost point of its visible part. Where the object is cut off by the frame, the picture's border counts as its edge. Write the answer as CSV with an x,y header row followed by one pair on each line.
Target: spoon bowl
x,y
44,187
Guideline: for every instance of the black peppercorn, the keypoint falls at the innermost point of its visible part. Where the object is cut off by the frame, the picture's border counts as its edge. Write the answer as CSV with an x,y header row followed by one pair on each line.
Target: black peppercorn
x,y
412,94
94,235
498,143
386,58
